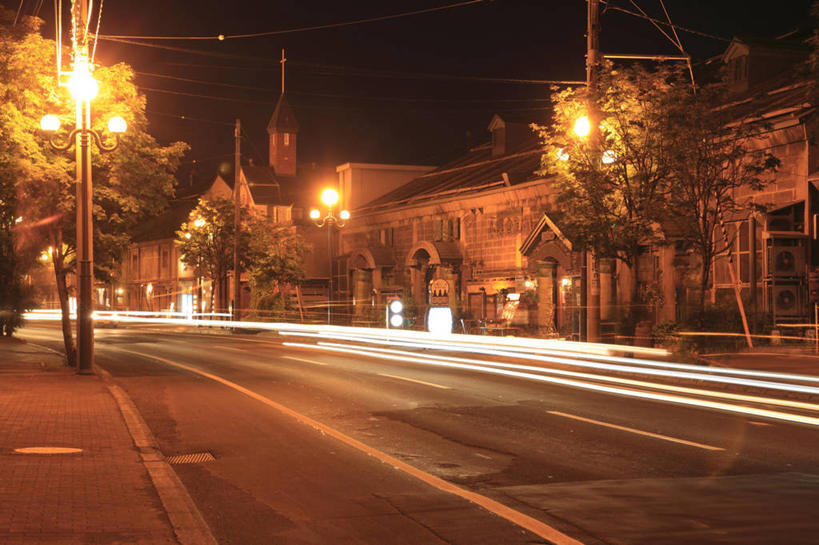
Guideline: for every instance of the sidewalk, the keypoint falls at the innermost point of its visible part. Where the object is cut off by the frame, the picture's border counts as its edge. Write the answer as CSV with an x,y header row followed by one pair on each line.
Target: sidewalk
x,y
102,494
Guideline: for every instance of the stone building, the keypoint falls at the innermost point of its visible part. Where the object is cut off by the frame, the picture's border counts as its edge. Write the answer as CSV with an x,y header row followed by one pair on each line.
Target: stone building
x,y
482,223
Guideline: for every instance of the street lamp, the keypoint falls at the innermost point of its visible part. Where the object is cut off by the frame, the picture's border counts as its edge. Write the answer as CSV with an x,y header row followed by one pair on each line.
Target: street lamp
x,y
83,88
330,198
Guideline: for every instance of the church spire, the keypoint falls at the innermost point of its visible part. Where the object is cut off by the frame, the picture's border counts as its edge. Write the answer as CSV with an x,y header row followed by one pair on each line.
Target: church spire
x,y
283,131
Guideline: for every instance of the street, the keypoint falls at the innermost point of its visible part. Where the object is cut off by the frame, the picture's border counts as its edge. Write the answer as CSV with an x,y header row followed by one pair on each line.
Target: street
x,y
303,437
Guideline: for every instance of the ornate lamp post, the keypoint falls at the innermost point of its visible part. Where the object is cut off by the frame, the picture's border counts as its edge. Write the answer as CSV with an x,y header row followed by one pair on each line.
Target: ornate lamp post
x,y
330,198
83,87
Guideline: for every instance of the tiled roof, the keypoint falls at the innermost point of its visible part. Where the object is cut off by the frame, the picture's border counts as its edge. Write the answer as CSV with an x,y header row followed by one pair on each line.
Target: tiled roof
x,y
476,170
165,225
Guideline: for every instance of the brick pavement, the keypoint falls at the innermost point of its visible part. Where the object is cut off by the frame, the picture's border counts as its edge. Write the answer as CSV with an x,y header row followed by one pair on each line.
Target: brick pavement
x,y
102,495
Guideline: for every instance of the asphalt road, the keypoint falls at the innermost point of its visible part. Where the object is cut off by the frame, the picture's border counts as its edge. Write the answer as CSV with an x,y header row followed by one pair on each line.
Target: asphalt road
x,y
598,467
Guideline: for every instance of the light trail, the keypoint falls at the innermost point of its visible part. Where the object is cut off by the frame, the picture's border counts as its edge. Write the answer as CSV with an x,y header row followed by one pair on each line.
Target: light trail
x,y
787,387
523,353
401,334
601,378
680,400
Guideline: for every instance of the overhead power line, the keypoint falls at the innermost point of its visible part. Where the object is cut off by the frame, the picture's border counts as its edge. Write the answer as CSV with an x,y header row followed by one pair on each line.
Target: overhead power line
x,y
665,23
221,37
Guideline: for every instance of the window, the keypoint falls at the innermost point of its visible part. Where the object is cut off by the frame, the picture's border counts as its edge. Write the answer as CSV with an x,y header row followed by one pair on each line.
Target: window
x,y
287,139
166,258
437,230
386,237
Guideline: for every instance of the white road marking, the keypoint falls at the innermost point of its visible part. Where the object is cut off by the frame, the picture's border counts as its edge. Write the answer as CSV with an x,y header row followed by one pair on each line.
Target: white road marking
x,y
416,381
638,432
314,362
523,520
682,400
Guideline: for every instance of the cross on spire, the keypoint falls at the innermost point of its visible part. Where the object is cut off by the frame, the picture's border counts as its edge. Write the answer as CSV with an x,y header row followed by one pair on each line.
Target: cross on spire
x,y
284,60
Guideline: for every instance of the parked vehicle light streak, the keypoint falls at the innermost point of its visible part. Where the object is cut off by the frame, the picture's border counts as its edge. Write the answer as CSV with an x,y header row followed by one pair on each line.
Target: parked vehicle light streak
x,y
739,409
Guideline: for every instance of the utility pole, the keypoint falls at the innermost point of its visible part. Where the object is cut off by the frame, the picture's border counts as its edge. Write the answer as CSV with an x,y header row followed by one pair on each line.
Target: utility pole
x,y
85,247
237,274
590,273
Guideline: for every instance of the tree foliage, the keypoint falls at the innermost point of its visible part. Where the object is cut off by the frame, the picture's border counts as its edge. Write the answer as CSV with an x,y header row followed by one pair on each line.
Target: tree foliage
x,y
275,260
272,254
132,182
665,163
206,243
613,183
716,160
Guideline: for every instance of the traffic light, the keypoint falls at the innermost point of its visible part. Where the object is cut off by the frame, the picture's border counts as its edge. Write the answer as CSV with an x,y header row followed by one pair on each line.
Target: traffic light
x,y
395,313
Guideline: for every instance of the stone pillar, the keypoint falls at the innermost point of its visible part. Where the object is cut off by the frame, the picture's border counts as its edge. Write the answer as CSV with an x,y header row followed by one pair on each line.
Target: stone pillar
x,y
606,266
546,279
362,292
449,274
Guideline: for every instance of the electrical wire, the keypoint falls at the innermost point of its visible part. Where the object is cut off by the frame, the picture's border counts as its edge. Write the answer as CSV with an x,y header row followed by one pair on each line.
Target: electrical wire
x,y
658,21
339,96
96,40
222,37
19,9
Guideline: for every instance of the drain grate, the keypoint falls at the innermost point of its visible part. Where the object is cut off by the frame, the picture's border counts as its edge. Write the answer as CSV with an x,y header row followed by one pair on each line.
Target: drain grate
x,y
194,458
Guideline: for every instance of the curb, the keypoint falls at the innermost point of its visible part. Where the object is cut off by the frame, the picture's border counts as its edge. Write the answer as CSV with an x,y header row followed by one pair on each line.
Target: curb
x,y
187,522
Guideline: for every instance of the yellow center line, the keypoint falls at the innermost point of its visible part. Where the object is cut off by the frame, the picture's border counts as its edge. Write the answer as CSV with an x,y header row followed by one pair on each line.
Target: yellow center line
x,y
416,381
531,524
314,362
638,432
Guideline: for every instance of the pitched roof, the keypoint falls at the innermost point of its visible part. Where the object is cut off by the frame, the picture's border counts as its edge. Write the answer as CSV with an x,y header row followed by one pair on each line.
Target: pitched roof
x,y
263,185
165,225
283,119
474,171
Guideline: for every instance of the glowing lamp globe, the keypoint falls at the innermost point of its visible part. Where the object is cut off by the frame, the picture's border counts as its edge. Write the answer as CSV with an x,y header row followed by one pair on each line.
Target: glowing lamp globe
x,y
315,214
117,125
50,123
582,127
345,215
329,197
83,86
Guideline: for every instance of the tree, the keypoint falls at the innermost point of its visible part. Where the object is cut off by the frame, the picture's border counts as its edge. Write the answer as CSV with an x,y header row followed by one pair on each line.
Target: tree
x,y
14,299
274,261
206,244
713,158
612,184
134,181
272,254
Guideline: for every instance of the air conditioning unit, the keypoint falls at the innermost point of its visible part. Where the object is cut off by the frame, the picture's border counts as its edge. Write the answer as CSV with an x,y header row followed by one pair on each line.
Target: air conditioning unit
x,y
787,300
786,261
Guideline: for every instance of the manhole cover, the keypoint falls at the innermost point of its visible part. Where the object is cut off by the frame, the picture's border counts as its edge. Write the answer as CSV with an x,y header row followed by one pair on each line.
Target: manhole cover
x,y
194,458
47,450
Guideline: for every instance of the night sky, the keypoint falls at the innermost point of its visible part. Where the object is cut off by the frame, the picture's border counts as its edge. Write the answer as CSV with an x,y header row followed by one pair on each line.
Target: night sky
x,y
405,90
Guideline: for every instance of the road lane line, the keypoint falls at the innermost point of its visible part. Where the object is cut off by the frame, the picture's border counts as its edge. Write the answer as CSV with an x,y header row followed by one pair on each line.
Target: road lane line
x,y
314,362
700,403
416,381
531,524
638,432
